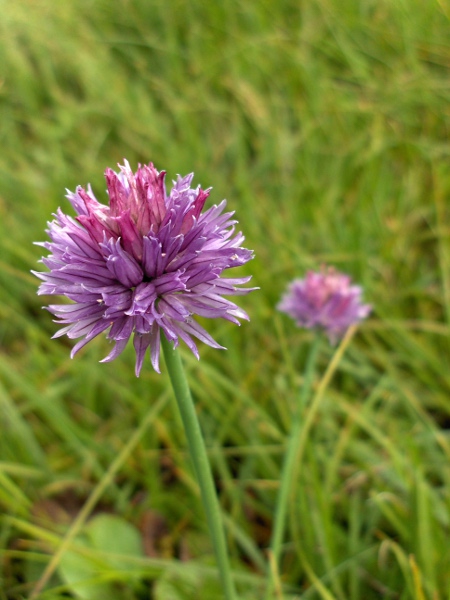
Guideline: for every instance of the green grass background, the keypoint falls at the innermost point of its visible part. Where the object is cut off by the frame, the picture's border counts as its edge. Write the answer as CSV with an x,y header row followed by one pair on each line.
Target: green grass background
x,y
325,123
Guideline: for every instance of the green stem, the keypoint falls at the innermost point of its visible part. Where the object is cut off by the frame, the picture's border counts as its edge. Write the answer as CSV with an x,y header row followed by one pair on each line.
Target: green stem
x,y
201,464
289,465
298,440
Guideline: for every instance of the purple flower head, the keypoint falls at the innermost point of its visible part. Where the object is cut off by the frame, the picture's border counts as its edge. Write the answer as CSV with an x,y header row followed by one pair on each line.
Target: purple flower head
x,y
147,262
325,300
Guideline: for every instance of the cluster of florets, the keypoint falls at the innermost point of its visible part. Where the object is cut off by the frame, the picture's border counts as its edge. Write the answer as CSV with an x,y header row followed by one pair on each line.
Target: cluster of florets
x,y
147,263
326,300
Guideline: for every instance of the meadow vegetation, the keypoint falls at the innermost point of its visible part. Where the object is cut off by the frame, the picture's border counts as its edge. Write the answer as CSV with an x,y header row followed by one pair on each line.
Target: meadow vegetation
x,y
325,124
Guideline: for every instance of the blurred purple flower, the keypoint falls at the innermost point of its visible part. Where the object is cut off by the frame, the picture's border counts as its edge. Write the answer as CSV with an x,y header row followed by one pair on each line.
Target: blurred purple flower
x,y
147,262
325,300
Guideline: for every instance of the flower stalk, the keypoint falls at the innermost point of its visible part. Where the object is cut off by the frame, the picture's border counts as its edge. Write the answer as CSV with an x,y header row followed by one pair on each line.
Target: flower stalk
x,y
290,459
299,438
200,460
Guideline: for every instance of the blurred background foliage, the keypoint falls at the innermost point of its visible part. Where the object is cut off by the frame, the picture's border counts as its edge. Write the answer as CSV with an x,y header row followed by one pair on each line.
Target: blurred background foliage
x,y
325,123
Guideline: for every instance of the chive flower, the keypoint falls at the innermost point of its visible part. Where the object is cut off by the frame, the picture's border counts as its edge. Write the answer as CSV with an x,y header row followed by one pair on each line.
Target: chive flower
x,y
326,300
148,262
